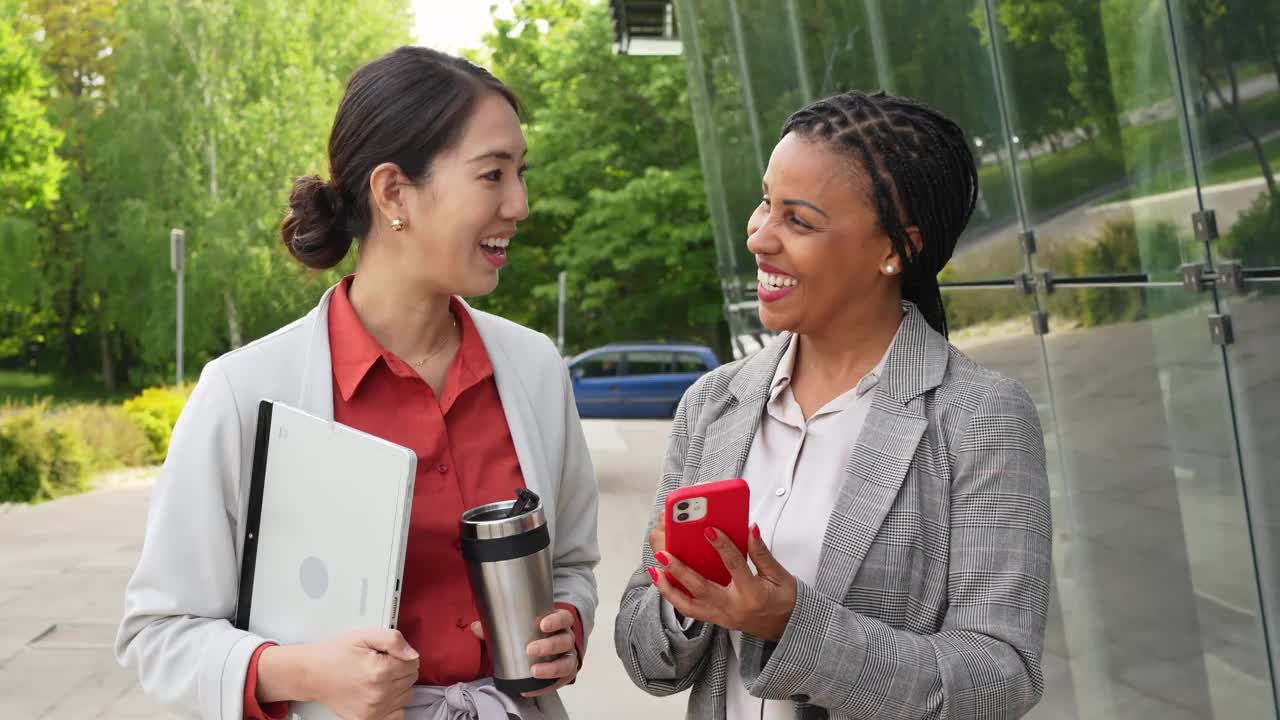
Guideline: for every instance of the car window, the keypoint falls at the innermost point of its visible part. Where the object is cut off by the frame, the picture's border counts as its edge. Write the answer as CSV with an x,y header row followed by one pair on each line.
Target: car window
x,y
602,365
689,363
648,363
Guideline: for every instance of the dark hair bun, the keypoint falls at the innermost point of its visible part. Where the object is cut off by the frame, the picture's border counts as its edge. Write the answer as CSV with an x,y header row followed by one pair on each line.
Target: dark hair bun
x,y
315,231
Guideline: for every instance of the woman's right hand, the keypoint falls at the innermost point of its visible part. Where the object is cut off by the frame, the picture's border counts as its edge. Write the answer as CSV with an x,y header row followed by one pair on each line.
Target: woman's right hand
x,y
360,675
364,674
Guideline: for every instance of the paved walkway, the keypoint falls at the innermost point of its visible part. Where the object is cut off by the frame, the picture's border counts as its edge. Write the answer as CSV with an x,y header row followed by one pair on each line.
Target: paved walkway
x,y
63,567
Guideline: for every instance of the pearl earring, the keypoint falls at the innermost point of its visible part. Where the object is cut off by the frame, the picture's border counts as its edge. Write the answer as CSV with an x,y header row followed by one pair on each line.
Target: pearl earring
x,y
888,269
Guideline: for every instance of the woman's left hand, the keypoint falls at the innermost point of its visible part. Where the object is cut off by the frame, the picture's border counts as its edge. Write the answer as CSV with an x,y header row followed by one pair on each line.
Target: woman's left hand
x,y
756,603
560,646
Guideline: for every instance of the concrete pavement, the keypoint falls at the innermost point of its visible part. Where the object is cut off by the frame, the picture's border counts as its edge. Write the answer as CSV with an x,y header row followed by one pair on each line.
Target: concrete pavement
x,y
64,564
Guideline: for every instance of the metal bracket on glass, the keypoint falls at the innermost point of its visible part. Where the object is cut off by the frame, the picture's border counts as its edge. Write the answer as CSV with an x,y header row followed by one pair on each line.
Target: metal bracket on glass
x,y
1040,322
1045,280
1205,223
1220,330
1230,276
1025,282
1028,238
1196,277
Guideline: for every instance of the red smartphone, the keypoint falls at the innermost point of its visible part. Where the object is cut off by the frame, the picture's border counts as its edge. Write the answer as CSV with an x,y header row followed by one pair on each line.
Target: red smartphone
x,y
724,505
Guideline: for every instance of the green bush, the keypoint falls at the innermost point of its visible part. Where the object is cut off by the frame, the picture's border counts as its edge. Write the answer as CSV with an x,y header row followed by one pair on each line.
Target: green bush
x,y
20,463
1125,248
113,438
1122,247
155,412
40,459
1254,239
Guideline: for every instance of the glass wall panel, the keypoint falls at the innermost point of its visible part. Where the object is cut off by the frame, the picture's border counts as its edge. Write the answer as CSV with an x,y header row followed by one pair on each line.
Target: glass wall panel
x,y
1230,56
1100,127
1159,543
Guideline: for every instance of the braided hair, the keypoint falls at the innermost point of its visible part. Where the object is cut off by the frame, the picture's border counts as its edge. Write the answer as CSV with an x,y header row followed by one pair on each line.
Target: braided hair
x,y
920,169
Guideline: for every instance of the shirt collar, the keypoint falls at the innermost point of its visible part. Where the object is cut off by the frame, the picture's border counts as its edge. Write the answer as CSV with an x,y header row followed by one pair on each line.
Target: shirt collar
x,y
355,352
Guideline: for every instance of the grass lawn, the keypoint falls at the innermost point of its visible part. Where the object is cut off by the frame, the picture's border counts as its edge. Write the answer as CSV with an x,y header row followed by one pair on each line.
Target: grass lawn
x,y
1057,178
1238,164
21,387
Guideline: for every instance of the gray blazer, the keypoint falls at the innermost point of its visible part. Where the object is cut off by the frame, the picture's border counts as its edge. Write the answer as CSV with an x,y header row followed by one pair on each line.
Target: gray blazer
x,y
933,585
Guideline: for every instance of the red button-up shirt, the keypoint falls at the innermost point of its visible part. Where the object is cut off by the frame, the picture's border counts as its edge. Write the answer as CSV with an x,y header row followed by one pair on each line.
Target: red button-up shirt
x,y
465,458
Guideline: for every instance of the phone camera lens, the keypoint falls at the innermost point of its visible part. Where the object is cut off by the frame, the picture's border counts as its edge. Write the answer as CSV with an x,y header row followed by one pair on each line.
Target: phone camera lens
x,y
682,506
682,517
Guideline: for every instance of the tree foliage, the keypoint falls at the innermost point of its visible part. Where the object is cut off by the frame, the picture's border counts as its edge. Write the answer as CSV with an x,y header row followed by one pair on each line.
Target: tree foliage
x,y
616,190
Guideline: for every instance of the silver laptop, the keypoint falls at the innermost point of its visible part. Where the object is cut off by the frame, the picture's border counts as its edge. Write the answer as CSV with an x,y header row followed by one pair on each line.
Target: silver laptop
x,y
325,532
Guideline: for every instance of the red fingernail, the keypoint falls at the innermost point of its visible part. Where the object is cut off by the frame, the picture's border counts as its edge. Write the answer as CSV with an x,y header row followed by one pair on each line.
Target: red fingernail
x,y
755,530
710,533
662,558
653,575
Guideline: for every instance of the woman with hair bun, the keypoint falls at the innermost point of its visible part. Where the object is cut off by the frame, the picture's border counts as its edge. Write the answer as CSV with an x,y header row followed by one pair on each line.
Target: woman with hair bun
x,y
426,170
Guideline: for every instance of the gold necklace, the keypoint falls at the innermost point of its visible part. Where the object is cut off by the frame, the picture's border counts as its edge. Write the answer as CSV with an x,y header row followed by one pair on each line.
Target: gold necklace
x,y
440,346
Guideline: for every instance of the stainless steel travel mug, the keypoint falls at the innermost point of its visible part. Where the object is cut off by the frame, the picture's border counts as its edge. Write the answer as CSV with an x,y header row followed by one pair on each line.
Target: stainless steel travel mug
x,y
509,565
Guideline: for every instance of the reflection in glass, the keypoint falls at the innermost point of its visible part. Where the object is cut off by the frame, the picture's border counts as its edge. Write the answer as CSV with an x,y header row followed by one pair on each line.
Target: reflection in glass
x,y
1231,52
1159,549
1123,118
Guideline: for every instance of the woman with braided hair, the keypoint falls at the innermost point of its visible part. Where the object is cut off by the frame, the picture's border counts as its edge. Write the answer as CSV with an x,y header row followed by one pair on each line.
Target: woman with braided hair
x,y
900,538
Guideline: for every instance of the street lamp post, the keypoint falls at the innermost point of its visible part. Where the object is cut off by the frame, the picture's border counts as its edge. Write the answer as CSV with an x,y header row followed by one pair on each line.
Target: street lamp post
x,y
177,251
560,313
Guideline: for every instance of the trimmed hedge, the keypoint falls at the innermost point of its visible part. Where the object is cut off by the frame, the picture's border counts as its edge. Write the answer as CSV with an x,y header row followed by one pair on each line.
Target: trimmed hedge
x,y
155,412
1121,246
40,458
114,440
1254,239
50,452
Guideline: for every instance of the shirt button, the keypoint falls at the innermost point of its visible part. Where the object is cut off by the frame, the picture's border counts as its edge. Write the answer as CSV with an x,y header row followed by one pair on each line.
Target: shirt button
x,y
442,468
780,492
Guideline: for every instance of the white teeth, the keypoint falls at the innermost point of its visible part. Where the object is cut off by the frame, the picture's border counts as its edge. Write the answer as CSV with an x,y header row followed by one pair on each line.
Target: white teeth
x,y
776,281
497,242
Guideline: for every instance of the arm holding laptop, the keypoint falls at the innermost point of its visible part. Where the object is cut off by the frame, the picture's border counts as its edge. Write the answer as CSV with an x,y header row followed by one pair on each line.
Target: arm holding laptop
x,y
177,633
363,673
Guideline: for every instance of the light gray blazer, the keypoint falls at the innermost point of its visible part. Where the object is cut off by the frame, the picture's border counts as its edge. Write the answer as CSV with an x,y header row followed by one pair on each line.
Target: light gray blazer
x,y
176,632
933,585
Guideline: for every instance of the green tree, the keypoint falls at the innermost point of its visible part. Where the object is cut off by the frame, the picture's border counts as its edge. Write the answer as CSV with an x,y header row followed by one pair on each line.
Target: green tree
x,y
1223,36
1075,29
30,168
218,106
76,43
30,174
616,191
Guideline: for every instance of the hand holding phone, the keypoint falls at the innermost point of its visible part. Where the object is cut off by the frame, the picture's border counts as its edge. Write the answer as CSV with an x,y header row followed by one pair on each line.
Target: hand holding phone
x,y
691,511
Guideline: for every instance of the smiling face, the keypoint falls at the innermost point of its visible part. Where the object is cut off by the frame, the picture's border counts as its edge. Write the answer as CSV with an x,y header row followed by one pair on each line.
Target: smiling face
x,y
461,218
821,252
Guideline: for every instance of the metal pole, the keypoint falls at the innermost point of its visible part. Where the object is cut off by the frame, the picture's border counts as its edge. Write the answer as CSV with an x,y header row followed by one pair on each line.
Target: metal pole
x,y
176,255
748,94
884,67
560,313
797,49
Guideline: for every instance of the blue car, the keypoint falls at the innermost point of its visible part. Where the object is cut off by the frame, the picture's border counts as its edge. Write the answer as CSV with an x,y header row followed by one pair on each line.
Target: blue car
x,y
637,380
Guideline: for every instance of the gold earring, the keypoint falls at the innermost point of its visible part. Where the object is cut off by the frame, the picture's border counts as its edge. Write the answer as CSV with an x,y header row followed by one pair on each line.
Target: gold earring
x,y
397,224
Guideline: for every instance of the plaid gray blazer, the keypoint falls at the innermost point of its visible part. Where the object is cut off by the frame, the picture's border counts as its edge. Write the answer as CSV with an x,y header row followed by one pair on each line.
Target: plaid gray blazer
x,y
933,584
